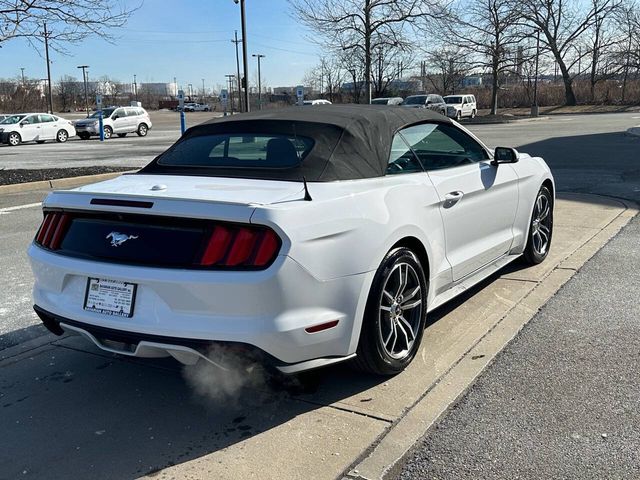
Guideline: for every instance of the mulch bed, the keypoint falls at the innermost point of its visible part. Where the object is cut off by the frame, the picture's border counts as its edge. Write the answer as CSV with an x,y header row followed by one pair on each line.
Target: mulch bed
x,y
8,177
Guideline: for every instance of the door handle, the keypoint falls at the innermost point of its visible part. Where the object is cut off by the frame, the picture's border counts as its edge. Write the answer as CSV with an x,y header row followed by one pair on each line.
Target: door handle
x,y
451,198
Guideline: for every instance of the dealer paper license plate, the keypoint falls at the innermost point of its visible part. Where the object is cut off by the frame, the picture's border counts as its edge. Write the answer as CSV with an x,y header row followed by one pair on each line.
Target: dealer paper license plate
x,y
110,297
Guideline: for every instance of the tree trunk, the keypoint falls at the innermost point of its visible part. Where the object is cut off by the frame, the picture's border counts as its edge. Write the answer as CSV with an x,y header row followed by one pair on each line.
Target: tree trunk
x,y
494,86
367,51
570,98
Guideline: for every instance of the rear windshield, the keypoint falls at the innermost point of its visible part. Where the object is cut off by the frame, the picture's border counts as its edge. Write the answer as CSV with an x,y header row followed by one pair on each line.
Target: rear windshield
x,y
415,100
237,150
453,100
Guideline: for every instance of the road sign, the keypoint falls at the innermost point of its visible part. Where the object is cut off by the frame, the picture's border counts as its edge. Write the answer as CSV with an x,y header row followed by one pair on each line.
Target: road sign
x,y
300,94
224,96
98,101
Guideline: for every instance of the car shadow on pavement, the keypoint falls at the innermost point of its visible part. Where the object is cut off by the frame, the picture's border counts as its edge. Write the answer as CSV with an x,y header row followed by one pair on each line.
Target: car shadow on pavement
x,y
71,411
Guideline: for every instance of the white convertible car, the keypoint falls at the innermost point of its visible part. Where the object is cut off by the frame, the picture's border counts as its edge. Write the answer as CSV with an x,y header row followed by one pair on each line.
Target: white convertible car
x,y
311,236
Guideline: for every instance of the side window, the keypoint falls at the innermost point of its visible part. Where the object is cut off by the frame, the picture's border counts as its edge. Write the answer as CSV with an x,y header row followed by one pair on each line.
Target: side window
x,y
441,146
402,159
119,113
46,118
31,119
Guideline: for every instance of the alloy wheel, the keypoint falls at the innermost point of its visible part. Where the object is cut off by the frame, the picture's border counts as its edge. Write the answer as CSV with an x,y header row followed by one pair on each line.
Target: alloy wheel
x,y
401,310
541,224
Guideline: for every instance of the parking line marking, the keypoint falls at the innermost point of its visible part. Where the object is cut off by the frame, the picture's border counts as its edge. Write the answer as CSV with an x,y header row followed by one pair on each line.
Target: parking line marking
x,y
19,207
635,117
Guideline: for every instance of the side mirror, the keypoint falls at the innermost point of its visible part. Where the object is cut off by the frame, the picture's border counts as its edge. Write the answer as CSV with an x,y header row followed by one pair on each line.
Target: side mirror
x,y
505,155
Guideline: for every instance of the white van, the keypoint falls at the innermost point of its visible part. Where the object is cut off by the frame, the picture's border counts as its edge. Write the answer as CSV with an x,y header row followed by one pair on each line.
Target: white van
x,y
459,106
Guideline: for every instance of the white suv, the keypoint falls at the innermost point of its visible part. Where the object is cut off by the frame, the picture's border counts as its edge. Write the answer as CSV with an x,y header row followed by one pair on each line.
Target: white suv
x,y
116,120
459,106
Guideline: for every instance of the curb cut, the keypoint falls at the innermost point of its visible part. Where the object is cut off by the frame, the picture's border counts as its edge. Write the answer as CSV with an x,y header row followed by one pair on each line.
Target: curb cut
x,y
385,459
59,182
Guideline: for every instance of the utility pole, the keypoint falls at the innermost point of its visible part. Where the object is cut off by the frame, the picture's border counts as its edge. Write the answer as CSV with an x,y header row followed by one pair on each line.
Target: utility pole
x,y
22,69
175,86
135,86
46,50
259,56
84,79
236,41
244,57
203,92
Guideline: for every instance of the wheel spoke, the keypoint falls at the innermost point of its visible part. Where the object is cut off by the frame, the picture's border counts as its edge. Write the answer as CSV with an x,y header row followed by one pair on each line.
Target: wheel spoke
x,y
395,337
388,295
389,337
545,211
404,320
385,308
404,333
402,284
412,294
414,304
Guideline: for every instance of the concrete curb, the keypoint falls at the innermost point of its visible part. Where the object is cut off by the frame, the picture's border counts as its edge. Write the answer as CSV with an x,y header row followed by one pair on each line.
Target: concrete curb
x,y
59,182
498,122
634,131
386,459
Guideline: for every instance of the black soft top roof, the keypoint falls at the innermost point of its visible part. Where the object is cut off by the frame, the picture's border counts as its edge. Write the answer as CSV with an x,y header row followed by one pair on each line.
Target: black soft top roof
x,y
351,141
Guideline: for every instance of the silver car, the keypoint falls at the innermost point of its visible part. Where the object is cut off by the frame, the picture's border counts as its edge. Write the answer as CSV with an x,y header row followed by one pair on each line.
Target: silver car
x,y
117,120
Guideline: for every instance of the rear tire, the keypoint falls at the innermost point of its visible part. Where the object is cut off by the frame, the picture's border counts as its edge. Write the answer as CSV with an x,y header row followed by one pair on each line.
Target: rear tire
x,y
473,114
62,136
142,130
458,115
540,228
395,315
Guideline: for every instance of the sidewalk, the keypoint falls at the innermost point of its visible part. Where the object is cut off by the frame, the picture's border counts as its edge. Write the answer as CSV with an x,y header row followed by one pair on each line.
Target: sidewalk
x,y
563,399
112,417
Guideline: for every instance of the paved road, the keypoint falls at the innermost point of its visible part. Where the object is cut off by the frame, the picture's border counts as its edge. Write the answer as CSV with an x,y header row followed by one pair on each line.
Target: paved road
x,y
130,151
563,399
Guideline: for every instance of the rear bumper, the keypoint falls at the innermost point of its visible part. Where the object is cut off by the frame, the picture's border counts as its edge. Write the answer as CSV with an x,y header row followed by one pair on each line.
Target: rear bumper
x,y
267,310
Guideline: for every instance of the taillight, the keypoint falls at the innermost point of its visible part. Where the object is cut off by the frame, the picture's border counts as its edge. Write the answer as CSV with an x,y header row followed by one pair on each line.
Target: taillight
x,y
52,231
241,247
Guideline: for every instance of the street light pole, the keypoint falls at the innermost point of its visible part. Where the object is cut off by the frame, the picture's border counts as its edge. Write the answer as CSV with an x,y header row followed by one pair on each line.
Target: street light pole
x,y
259,56
236,41
534,107
22,69
86,96
244,54
203,92
135,87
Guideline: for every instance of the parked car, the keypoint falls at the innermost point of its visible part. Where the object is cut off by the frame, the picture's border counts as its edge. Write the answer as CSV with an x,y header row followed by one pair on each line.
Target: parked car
x,y
319,101
217,240
199,107
116,120
387,101
459,106
35,127
430,101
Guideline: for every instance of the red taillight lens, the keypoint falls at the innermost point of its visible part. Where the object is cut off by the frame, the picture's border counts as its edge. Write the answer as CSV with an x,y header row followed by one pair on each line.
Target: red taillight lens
x,y
52,231
246,246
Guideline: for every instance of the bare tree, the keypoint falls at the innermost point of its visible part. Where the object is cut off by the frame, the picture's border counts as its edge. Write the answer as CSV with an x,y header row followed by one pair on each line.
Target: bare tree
x,y
360,25
562,24
66,91
69,21
485,28
447,66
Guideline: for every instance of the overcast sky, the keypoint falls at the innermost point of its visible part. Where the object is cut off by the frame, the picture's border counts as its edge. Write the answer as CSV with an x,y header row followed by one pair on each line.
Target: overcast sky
x,y
186,39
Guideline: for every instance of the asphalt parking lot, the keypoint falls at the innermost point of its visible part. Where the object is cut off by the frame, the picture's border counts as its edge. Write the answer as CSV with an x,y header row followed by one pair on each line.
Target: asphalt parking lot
x,y
199,425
